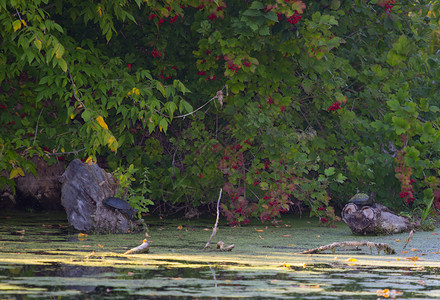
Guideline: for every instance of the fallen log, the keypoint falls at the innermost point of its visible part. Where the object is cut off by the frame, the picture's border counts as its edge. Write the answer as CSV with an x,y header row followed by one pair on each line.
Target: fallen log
x,y
379,246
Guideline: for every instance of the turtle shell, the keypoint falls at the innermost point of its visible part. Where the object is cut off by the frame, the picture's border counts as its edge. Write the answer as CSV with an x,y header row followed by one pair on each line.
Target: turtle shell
x,y
362,199
121,205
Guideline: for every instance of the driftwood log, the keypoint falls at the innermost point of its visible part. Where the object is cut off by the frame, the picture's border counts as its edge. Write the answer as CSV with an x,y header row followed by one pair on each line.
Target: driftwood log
x,y
374,219
379,246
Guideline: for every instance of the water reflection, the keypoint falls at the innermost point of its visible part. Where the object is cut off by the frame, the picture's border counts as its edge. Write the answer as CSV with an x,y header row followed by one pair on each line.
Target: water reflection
x,y
214,282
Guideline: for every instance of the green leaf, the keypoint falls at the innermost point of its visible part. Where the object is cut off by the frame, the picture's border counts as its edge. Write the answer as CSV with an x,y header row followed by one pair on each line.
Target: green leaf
x,y
86,115
264,186
394,104
38,44
184,106
163,125
59,51
63,65
329,171
160,87
171,108
400,125
271,15
340,178
256,5
252,13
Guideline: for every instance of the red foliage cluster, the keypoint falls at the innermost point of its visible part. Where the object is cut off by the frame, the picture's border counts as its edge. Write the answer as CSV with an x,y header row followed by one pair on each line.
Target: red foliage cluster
x,y
162,76
156,54
334,106
239,211
294,19
403,173
387,4
173,19
233,67
161,21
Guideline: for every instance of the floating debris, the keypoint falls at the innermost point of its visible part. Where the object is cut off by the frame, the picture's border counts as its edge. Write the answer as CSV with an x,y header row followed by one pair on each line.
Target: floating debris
x,y
143,248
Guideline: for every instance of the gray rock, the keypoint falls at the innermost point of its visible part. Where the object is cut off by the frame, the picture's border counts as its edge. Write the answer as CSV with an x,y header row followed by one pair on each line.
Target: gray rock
x,y
84,187
375,219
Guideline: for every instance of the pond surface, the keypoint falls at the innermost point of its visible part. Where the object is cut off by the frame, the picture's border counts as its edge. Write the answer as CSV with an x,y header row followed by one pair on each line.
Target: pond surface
x,y
41,257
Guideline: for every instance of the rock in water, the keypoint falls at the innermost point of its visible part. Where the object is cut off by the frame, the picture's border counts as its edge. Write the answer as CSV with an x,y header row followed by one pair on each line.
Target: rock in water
x,y
374,218
84,187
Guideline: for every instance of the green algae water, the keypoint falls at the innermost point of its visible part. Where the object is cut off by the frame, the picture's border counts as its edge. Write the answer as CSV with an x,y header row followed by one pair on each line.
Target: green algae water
x,y
41,257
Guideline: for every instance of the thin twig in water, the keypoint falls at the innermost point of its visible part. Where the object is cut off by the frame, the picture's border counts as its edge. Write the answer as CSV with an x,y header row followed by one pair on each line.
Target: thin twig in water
x,y
214,231
409,239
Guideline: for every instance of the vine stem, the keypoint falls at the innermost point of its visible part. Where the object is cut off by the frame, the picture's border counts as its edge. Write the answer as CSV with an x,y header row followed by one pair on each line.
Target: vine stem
x,y
36,127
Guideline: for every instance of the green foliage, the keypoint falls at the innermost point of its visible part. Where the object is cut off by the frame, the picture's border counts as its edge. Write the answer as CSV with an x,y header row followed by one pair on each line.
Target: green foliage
x,y
134,188
285,104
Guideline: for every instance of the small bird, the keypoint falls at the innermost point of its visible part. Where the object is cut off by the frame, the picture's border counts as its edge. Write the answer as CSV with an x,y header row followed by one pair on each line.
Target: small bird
x,y
410,236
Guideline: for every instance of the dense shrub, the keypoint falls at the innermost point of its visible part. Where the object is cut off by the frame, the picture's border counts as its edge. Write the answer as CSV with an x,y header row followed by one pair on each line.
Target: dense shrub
x,y
284,103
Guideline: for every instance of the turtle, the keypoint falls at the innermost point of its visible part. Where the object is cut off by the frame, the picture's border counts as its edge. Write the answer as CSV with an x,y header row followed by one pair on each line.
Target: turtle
x,y
120,205
362,199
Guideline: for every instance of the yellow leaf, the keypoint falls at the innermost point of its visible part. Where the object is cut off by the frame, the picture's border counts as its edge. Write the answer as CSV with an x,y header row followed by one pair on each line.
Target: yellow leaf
x,y
397,240
99,10
72,116
179,227
414,258
89,161
113,144
135,91
101,122
16,172
286,265
16,25
352,259
24,23
101,246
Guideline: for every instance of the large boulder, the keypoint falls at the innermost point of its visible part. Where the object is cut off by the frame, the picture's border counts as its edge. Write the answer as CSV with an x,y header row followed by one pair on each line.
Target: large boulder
x,y
84,187
43,191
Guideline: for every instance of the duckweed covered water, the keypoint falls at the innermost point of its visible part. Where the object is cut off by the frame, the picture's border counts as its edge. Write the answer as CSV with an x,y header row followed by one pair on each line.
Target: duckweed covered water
x,y
41,257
